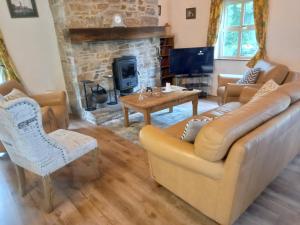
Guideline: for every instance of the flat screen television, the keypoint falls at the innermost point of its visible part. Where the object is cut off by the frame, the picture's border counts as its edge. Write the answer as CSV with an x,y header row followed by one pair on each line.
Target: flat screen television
x,y
192,61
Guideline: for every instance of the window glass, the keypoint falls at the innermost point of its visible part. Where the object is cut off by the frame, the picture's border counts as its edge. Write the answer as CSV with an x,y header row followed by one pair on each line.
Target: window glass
x,y
249,44
233,14
230,47
237,38
248,13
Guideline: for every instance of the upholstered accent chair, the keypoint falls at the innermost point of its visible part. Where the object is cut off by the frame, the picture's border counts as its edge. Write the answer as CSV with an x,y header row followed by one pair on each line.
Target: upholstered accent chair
x,y
53,104
230,91
30,148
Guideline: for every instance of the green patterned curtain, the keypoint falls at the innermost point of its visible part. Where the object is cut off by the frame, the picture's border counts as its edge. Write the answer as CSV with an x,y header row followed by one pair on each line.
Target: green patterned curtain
x,y
261,15
214,22
5,61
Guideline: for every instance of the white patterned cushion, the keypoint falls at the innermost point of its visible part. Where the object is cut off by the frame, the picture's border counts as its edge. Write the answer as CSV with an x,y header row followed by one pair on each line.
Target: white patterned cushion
x,y
267,88
74,143
14,94
193,127
250,77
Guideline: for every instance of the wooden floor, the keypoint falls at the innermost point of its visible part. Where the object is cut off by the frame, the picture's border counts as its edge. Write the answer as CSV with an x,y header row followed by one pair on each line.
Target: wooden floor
x,y
125,193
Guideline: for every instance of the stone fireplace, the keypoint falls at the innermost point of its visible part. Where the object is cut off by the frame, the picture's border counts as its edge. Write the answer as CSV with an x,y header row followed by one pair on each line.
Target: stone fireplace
x,y
92,60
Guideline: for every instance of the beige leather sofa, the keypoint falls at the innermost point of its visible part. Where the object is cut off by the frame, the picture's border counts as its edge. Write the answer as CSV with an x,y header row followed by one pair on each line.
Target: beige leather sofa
x,y
53,105
233,158
229,91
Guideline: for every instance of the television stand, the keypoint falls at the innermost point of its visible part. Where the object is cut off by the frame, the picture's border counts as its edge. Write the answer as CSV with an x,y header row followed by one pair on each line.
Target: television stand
x,y
196,81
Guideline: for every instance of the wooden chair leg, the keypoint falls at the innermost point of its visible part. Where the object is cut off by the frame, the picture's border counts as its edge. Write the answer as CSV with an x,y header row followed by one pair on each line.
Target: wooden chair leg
x,y
48,193
96,152
21,179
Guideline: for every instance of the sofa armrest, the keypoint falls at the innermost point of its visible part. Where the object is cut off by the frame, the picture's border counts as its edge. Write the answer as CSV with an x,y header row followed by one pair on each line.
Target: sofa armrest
x,y
234,90
247,94
224,79
51,98
178,152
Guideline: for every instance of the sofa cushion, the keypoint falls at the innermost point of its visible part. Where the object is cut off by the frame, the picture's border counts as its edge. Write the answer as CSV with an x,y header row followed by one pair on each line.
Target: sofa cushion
x,y
267,88
250,77
177,129
291,89
271,71
193,127
215,139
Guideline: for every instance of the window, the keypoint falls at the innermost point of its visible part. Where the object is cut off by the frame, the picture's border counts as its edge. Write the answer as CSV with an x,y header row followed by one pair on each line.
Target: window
x,y
237,37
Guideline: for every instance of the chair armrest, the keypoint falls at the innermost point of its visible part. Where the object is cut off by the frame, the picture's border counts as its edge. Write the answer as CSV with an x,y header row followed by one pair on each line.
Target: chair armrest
x,y
51,98
224,79
48,119
247,94
235,90
178,152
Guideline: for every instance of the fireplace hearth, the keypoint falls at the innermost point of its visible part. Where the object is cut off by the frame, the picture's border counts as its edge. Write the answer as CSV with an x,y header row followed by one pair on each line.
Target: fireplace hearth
x,y
125,74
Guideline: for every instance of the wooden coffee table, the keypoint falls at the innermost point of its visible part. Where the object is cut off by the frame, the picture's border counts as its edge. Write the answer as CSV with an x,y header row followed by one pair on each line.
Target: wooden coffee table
x,y
153,104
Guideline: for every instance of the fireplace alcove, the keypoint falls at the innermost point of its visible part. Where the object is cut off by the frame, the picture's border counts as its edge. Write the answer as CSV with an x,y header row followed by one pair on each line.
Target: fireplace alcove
x,y
141,43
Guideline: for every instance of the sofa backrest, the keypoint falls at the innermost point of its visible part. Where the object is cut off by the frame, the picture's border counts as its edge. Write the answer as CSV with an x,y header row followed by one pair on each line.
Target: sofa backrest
x,y
292,77
291,89
8,86
269,70
214,139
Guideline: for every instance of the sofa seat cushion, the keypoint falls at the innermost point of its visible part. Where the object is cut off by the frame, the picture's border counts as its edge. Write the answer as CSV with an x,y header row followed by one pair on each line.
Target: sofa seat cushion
x,y
215,139
177,129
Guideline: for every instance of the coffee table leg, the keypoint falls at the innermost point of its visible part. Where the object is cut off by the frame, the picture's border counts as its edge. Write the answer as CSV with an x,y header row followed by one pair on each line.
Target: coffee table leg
x,y
195,106
170,109
147,117
126,116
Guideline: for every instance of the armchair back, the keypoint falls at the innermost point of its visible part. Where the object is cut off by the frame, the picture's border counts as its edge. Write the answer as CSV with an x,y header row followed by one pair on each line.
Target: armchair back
x,y
270,70
8,86
24,138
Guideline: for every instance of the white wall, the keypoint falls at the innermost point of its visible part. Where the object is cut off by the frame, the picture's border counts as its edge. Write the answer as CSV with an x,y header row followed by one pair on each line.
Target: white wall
x,y
164,17
283,40
32,44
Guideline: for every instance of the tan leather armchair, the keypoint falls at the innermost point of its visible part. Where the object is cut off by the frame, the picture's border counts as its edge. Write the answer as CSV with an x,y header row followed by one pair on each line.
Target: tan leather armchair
x,y
229,91
53,105
248,92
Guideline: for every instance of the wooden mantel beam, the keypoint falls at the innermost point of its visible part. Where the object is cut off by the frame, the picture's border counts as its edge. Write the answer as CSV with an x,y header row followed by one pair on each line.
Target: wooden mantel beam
x,y
78,35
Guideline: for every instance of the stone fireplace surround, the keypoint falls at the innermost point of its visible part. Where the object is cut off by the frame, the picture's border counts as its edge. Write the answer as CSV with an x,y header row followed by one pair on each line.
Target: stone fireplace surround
x,y
93,60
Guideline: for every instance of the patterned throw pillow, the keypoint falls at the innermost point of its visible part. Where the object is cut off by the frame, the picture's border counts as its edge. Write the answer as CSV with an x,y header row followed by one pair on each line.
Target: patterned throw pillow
x,y
250,77
193,127
14,94
267,88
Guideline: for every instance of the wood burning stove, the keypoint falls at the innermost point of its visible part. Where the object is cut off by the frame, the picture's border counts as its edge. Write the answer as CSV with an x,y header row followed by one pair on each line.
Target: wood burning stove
x,y
125,74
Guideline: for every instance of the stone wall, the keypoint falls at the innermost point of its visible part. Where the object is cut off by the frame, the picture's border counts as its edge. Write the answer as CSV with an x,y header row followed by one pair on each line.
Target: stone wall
x,y
99,13
93,60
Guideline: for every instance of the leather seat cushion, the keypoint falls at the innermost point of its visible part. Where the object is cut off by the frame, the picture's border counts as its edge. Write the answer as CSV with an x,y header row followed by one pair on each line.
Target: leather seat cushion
x,y
215,139
177,129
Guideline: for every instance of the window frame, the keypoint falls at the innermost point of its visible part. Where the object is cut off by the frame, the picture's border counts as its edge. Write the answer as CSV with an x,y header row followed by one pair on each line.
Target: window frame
x,y
240,30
